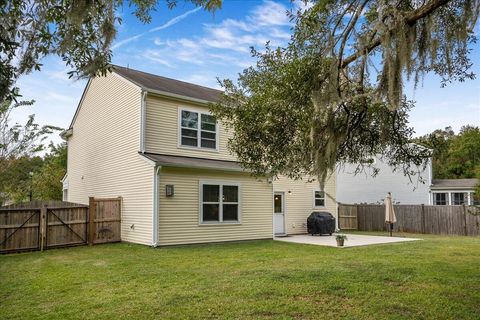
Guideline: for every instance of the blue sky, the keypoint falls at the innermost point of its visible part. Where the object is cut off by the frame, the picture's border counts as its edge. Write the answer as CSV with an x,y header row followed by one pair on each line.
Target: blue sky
x,y
195,46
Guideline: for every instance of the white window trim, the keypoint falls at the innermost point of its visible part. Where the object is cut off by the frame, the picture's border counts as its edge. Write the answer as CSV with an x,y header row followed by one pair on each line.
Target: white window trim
x,y
324,199
199,131
221,183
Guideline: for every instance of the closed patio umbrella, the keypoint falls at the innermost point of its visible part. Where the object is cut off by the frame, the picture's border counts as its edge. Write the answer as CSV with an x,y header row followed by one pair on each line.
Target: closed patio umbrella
x,y
389,212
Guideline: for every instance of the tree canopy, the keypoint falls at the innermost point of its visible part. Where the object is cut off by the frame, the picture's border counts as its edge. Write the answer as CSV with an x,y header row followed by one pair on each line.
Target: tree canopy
x,y
80,32
334,94
455,156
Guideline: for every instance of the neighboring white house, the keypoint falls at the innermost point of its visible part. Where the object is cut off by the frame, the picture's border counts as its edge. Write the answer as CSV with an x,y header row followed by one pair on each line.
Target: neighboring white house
x,y
453,191
364,188
152,141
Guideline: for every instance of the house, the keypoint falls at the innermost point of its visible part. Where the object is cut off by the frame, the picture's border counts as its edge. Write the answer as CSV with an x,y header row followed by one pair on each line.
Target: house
x,y
453,191
152,141
416,189
365,188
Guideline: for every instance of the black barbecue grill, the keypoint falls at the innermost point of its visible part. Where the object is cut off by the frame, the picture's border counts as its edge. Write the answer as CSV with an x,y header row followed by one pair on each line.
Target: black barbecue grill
x,y
320,222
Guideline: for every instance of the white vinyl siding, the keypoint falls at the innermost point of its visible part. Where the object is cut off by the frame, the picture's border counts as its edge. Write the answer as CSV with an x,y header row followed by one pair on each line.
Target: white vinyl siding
x,y
299,201
163,133
179,216
103,159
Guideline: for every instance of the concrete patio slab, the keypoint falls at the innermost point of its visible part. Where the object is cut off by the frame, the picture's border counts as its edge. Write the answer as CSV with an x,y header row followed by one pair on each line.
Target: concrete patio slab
x,y
353,240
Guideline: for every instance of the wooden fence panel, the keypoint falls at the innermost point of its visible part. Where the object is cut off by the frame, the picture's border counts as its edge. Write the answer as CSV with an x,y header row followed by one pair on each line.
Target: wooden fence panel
x,y
66,226
472,220
39,225
107,220
347,217
446,220
19,229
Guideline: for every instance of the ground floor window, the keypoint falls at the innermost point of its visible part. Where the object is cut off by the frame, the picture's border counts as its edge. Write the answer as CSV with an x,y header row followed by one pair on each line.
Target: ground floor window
x,y
440,199
65,194
459,198
219,202
319,198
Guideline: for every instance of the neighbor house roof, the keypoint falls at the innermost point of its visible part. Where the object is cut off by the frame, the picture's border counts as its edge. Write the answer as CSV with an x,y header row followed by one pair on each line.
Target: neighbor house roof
x,y
454,183
162,85
191,162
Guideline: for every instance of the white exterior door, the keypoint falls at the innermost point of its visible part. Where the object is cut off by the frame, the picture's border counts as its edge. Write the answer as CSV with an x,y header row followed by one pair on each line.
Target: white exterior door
x,y
279,212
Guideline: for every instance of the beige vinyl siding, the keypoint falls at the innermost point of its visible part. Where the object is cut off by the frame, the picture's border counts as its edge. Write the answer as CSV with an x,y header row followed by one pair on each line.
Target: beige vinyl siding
x,y
161,134
299,204
103,158
179,215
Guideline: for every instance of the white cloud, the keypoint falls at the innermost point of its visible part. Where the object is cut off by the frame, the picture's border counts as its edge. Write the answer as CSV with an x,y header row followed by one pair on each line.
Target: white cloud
x,y
270,14
169,23
227,42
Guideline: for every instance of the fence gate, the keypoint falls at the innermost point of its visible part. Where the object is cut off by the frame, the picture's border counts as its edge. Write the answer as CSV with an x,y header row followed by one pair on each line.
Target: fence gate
x,y
40,225
65,226
347,217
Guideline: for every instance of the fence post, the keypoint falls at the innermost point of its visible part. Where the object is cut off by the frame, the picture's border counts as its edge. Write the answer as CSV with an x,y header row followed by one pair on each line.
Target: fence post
x,y
91,220
423,218
465,219
43,226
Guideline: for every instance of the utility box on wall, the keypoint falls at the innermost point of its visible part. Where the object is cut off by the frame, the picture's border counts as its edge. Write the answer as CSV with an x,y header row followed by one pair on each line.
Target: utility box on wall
x,y
169,190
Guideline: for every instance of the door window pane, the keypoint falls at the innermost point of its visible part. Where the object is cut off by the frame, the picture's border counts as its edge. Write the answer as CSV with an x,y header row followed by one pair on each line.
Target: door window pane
x,y
277,203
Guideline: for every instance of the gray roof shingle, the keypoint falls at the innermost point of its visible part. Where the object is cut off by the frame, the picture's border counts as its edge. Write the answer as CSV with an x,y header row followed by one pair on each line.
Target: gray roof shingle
x,y
153,82
454,183
191,162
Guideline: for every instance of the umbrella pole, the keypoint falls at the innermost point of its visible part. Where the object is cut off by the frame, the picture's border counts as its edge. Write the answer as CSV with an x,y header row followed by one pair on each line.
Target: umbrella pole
x,y
391,228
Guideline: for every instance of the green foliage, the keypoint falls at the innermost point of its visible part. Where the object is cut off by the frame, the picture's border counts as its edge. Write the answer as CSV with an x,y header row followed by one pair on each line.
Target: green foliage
x,y
321,101
45,183
454,156
80,32
15,179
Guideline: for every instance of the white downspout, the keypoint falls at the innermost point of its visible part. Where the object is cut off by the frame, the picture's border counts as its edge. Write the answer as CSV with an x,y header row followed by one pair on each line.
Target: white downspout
x,y
142,121
156,204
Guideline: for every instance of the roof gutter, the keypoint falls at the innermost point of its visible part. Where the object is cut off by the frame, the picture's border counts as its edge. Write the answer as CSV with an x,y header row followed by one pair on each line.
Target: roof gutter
x,y
65,134
178,96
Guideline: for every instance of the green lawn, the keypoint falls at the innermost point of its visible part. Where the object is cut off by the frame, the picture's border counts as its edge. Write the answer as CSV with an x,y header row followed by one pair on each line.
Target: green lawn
x,y
438,278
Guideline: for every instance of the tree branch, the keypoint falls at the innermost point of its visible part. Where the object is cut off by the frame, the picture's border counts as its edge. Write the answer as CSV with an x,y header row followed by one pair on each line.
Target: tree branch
x,y
411,19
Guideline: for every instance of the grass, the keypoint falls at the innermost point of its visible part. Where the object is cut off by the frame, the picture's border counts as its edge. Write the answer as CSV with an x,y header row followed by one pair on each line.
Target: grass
x,y
438,278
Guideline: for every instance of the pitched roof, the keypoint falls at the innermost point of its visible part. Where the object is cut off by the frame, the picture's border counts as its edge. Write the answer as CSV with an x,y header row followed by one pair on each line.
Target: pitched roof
x,y
191,162
454,183
151,82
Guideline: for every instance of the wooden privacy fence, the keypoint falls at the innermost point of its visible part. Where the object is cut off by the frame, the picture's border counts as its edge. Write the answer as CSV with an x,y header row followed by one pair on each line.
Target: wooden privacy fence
x,y
448,220
40,225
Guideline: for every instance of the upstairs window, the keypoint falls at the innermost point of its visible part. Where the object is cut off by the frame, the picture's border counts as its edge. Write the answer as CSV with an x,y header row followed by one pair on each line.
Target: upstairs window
x,y
198,130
